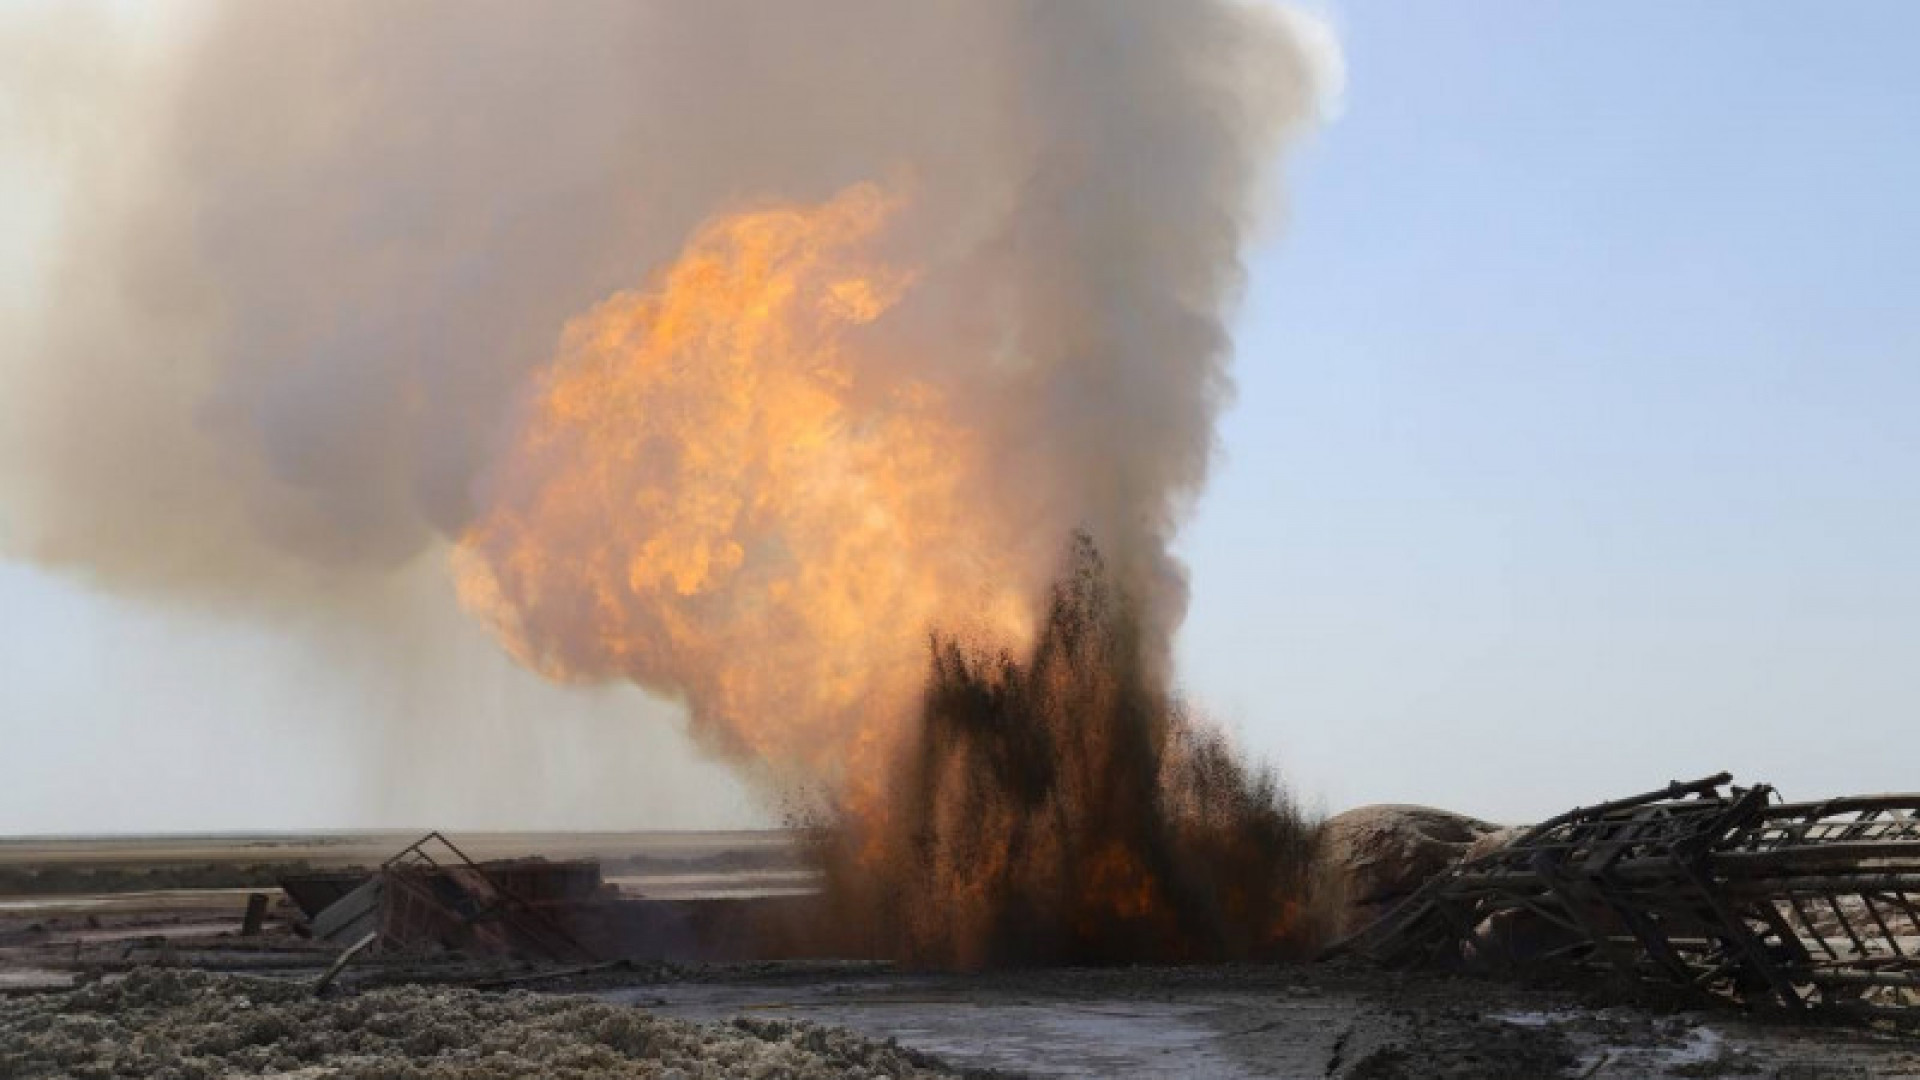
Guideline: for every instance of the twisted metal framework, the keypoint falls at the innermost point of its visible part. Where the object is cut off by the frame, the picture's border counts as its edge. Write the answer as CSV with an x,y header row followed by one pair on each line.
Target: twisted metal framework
x,y
1726,892
427,895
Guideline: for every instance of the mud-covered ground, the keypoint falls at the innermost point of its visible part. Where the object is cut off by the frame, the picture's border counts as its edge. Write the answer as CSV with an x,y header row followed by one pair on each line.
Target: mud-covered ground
x,y
800,1021
1297,1021
146,1004
189,1025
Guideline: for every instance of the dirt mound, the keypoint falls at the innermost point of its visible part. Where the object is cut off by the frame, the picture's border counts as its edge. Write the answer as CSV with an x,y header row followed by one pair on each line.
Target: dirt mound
x,y
1381,854
188,1025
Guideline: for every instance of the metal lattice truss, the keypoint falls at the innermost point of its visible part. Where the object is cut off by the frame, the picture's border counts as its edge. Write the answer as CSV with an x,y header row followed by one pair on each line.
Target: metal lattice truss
x,y
454,899
1718,888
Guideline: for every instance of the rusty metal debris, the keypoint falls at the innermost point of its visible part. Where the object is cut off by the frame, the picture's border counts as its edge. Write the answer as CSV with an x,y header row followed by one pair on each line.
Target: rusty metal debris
x,y
431,898
340,962
429,894
1723,890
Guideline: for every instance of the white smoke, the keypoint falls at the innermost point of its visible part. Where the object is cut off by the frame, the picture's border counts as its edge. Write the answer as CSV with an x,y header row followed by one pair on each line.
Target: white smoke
x,y
306,264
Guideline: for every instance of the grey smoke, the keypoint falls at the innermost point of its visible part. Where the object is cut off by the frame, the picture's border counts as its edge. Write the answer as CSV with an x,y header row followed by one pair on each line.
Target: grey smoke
x,y
308,263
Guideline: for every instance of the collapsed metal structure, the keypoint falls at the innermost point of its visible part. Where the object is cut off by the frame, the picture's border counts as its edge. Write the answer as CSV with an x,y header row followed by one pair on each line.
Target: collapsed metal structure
x,y
1721,889
431,894
430,898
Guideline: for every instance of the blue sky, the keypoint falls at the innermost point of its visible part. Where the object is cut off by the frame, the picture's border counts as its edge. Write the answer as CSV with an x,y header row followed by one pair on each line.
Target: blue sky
x,y
1576,448
1574,452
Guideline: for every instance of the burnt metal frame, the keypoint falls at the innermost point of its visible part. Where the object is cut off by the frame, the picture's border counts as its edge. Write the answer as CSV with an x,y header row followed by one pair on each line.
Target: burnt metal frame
x,y
503,906
1720,889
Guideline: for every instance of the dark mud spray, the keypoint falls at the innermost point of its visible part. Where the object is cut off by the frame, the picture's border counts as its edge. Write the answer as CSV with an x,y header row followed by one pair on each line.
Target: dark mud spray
x,y
735,350
1062,807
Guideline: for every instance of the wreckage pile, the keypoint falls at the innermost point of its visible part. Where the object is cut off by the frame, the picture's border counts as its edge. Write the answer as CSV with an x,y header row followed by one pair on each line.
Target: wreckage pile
x,y
431,898
430,892
1721,889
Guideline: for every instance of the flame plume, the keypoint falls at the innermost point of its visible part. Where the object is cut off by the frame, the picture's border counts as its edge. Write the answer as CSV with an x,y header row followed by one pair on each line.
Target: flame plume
x,y
299,339
714,494
717,491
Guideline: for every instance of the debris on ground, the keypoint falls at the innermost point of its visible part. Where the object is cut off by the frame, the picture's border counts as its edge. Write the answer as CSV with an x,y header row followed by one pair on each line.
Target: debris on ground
x,y
430,897
1716,889
431,894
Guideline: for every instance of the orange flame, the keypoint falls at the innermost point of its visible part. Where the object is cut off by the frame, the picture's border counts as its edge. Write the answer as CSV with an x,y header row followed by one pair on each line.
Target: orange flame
x,y
726,488
720,490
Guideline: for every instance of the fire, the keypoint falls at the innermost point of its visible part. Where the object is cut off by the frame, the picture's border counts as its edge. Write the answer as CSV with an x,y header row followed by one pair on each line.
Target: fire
x,y
724,487
1062,807
720,490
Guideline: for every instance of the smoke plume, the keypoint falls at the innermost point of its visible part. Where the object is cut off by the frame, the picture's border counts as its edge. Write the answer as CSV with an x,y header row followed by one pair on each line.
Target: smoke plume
x,y
326,273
